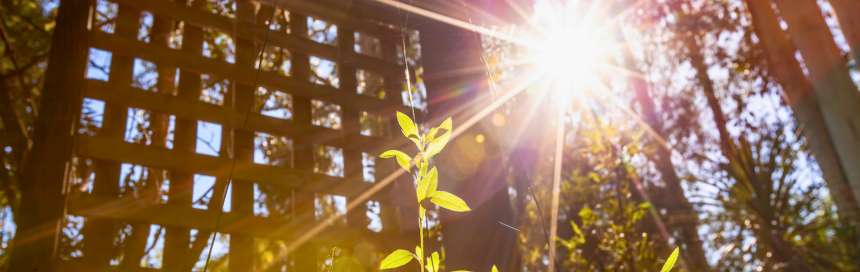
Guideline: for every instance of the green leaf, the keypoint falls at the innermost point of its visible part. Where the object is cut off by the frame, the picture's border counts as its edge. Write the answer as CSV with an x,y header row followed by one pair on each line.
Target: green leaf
x,y
587,216
396,259
432,134
433,262
438,143
427,185
449,201
406,125
495,269
403,160
578,237
419,253
671,261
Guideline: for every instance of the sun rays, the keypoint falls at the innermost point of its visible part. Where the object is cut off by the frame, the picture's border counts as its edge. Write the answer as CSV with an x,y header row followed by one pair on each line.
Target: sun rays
x,y
568,51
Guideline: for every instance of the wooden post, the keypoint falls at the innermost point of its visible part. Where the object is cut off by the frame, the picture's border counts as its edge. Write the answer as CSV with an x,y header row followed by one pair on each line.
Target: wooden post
x,y
43,172
136,243
177,239
242,246
306,255
351,124
98,241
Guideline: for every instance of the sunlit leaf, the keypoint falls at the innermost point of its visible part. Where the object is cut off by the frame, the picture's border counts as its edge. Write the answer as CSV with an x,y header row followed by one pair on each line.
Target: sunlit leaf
x,y
670,262
432,134
578,237
402,159
438,143
433,262
449,201
587,216
427,185
406,125
396,259
419,253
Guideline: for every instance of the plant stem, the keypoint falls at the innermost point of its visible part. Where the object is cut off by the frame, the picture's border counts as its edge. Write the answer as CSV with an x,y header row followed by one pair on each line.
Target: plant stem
x,y
421,214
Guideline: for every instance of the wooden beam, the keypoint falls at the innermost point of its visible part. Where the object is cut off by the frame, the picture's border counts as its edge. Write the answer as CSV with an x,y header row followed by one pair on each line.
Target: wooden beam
x,y
197,110
294,42
294,86
383,22
128,209
305,181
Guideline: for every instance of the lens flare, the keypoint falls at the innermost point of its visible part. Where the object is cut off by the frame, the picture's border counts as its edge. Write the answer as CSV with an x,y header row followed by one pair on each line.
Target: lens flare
x,y
569,49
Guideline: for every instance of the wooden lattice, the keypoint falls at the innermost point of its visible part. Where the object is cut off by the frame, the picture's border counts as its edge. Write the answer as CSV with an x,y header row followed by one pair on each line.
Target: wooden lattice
x,y
150,126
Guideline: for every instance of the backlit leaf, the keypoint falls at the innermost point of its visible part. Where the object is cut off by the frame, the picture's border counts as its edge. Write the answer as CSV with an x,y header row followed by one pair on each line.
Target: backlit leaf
x,y
438,143
419,253
671,261
406,125
578,237
433,262
449,201
402,159
427,185
396,259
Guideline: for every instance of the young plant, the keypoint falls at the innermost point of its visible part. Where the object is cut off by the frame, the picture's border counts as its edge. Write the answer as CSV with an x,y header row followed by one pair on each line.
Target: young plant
x,y
429,144
670,262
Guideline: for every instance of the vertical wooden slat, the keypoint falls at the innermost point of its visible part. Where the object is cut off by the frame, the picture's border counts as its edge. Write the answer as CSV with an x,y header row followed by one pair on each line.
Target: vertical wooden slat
x,y
263,19
351,123
393,85
242,246
185,138
304,157
135,245
98,233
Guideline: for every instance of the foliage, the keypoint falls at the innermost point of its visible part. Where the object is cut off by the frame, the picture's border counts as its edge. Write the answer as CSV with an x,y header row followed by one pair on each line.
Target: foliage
x,y
429,144
670,262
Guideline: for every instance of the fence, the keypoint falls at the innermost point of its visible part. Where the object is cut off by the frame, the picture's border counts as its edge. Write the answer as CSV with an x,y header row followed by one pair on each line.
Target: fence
x,y
175,106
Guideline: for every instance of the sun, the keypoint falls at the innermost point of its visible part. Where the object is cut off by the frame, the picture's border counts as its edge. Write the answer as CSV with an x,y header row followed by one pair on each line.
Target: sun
x,y
569,49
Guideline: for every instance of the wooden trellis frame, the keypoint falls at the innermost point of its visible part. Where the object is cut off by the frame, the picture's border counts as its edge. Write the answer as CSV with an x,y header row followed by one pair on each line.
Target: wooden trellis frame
x,y
104,208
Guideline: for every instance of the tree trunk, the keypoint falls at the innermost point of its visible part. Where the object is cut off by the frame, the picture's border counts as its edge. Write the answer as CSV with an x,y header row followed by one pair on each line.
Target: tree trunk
x,y
677,202
740,169
798,91
848,13
43,173
837,95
